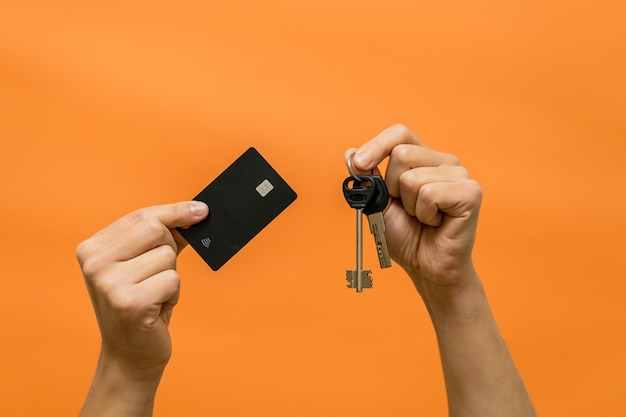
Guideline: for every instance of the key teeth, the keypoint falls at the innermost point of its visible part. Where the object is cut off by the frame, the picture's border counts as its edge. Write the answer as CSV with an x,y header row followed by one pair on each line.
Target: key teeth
x,y
351,278
366,279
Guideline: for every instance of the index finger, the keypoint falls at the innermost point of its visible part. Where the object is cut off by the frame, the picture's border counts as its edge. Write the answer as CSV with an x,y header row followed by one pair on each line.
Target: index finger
x,y
370,154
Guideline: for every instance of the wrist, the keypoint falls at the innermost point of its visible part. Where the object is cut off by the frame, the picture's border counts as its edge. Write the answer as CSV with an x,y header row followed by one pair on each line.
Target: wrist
x,y
453,301
119,390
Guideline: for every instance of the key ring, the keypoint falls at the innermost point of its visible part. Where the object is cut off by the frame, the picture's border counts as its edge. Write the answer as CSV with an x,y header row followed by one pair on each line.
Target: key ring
x,y
351,170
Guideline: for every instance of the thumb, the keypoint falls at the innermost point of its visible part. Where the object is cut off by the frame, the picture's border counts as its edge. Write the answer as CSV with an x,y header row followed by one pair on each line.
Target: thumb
x,y
182,214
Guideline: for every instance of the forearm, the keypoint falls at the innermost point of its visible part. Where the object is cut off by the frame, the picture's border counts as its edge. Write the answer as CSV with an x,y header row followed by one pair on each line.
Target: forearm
x,y
118,392
481,377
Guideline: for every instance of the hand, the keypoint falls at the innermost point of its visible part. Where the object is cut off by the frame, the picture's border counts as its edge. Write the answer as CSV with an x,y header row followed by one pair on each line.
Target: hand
x,y
431,224
130,271
433,209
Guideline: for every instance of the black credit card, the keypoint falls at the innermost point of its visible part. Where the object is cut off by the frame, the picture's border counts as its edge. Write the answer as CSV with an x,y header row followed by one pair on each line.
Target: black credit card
x,y
242,200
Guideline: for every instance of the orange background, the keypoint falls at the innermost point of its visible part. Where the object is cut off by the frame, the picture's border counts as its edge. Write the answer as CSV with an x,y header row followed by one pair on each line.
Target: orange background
x,y
106,107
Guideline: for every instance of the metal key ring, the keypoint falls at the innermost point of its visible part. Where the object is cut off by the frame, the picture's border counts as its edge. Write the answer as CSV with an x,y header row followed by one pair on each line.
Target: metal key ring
x,y
351,170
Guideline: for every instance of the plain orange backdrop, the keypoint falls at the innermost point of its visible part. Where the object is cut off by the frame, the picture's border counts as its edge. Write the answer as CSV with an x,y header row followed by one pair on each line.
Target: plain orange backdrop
x,y
106,107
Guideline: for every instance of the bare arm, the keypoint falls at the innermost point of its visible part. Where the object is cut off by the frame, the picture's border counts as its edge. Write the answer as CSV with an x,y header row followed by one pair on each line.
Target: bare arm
x,y
481,377
431,224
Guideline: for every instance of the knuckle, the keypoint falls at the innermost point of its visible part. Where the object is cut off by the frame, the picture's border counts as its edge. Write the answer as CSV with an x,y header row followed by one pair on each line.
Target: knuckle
x,y
427,193
92,265
401,132
181,211
461,172
400,129
167,254
450,159
154,227
401,152
407,180
171,279
82,251
475,191
139,216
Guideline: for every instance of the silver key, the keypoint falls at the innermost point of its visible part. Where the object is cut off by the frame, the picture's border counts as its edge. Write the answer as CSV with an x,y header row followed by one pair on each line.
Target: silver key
x,y
374,212
377,227
359,278
358,195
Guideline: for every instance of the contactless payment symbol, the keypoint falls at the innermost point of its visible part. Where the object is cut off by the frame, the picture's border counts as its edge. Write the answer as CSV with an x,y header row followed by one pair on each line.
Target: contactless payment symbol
x,y
206,242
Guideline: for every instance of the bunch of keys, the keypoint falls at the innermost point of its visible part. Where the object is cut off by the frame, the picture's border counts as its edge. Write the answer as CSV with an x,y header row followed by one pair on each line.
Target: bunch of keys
x,y
367,194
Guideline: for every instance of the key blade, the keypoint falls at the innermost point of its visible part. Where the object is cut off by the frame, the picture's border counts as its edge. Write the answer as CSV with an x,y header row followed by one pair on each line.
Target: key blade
x,y
377,228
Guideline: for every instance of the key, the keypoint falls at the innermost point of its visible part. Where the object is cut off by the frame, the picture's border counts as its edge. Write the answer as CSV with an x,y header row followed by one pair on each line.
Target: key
x,y
374,213
358,196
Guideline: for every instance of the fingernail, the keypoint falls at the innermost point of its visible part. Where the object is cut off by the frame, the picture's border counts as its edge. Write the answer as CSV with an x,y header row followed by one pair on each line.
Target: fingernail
x,y
198,208
363,159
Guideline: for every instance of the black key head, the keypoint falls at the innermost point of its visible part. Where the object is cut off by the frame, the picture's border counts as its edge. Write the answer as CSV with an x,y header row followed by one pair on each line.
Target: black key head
x,y
359,193
381,196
